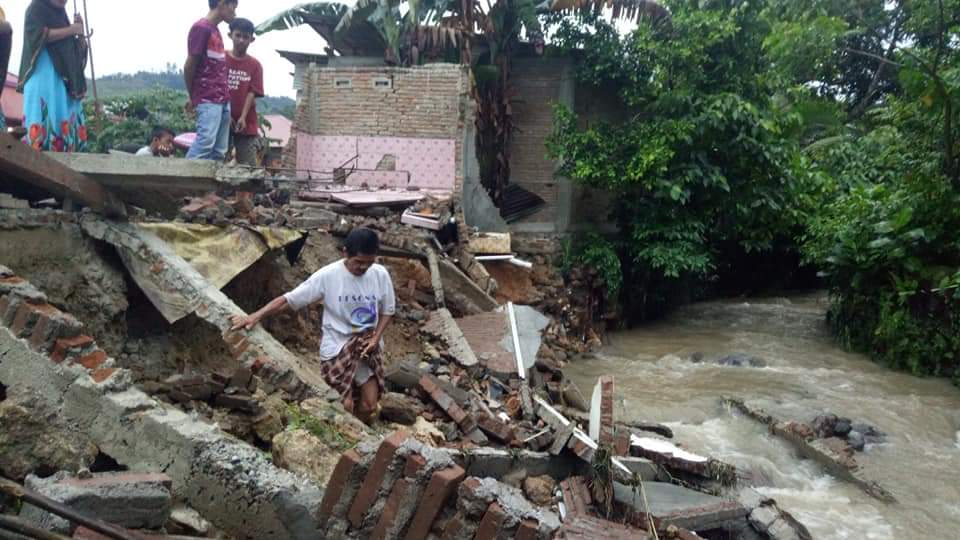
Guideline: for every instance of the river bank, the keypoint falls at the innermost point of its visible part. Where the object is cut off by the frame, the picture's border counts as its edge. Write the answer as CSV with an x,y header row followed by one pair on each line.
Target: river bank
x,y
805,374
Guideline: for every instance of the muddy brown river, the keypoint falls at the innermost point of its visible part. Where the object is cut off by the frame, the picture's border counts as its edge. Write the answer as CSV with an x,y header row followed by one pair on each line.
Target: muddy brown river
x,y
805,374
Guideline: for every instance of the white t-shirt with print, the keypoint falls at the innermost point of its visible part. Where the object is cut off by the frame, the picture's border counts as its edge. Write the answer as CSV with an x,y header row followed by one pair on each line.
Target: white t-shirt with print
x,y
351,304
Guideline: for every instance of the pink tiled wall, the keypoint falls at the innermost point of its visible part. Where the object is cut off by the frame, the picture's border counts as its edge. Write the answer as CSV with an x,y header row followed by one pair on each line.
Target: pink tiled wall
x,y
422,163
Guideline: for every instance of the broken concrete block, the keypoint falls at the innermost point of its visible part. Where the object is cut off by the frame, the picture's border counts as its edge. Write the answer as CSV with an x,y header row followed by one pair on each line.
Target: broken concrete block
x,y
561,439
133,500
495,428
404,375
32,439
540,489
301,452
400,408
682,507
671,456
476,495
489,244
448,405
459,288
187,521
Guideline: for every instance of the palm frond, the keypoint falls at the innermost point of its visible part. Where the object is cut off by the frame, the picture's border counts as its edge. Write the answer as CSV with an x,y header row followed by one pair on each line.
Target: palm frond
x,y
301,14
632,10
359,13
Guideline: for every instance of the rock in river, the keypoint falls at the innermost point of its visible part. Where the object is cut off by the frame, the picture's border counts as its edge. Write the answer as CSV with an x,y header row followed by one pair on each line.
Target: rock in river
x,y
742,360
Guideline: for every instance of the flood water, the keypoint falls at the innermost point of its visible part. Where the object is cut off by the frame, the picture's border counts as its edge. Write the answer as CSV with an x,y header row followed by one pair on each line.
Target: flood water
x,y
806,374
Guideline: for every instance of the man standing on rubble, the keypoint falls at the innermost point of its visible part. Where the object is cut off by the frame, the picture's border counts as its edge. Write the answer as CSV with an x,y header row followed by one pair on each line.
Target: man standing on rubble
x,y
206,77
358,304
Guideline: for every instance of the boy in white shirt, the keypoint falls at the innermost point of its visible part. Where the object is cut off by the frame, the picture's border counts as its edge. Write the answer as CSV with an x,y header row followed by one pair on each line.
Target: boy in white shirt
x,y
358,304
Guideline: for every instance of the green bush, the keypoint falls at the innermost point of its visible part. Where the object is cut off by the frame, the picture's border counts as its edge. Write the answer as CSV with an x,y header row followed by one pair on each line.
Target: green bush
x,y
700,161
595,252
129,120
890,253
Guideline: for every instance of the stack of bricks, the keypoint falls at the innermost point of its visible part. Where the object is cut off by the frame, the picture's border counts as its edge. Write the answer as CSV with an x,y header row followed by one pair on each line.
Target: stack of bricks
x,y
579,521
404,489
606,411
269,373
27,314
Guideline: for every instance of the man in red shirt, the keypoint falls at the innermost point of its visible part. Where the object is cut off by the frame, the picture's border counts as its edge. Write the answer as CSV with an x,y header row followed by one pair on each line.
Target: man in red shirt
x,y
205,74
246,85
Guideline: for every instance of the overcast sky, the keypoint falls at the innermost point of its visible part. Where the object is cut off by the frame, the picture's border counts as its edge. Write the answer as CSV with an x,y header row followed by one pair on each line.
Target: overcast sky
x,y
146,35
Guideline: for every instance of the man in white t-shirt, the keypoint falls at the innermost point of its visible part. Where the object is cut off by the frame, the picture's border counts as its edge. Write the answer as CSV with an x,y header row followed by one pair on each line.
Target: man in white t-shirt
x,y
358,304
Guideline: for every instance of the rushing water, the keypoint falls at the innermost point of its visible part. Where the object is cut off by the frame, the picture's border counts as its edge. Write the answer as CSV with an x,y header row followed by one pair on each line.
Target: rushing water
x,y
805,374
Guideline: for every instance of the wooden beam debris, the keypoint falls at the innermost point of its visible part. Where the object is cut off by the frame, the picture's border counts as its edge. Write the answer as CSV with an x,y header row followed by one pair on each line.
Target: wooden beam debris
x,y
21,162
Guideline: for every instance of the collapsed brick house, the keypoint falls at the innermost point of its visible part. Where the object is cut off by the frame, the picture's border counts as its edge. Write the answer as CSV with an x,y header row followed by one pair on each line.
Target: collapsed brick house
x,y
428,111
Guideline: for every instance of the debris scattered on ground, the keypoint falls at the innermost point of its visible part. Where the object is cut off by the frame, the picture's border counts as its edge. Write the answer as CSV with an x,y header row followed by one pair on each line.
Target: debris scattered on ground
x,y
480,432
836,455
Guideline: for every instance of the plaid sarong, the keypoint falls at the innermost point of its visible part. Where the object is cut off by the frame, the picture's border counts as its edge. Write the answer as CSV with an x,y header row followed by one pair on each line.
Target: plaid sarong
x,y
340,371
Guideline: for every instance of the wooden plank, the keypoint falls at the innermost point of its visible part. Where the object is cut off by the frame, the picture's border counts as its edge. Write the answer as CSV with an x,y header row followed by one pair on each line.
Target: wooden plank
x,y
19,161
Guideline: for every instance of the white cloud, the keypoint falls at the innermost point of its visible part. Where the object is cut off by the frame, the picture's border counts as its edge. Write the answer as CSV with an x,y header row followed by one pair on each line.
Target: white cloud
x,y
146,35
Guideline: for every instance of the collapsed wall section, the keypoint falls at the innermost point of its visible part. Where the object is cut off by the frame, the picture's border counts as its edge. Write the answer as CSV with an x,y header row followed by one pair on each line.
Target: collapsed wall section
x,y
45,356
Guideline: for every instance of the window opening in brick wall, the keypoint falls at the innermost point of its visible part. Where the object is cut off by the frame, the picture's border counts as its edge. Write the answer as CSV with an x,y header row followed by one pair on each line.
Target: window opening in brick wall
x,y
382,83
343,83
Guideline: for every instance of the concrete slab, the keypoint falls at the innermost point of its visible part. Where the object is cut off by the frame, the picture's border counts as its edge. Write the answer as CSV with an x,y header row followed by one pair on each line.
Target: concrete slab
x,y
685,508
132,500
460,289
179,282
157,184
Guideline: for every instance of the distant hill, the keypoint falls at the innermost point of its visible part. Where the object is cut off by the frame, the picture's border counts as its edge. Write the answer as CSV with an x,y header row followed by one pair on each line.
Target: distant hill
x,y
124,84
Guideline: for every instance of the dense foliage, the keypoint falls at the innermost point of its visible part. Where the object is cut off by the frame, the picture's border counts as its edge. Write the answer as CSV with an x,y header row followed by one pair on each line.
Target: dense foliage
x,y
703,164
779,129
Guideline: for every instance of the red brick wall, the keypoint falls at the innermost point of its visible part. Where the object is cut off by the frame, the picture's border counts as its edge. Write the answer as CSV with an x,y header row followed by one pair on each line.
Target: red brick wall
x,y
424,102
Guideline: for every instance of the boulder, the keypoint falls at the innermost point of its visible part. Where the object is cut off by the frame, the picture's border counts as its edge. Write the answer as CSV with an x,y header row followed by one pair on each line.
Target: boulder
x,y
825,425
742,360
270,422
540,489
428,433
32,441
301,452
856,440
400,408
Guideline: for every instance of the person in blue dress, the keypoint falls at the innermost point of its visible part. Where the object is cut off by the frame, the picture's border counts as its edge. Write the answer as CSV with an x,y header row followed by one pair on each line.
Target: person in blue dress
x,y
52,78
